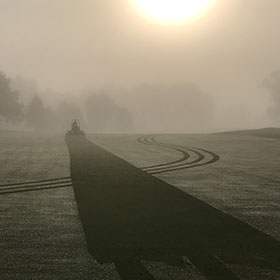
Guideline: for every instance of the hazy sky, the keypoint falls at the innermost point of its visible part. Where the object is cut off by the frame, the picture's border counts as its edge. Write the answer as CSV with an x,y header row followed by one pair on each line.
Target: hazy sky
x,y
72,44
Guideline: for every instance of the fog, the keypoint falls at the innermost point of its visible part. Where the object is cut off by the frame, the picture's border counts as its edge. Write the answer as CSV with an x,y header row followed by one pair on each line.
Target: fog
x,y
117,70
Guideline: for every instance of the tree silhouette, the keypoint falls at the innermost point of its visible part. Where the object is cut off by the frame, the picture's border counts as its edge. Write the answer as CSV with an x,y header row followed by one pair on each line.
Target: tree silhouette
x,y
272,84
39,116
104,115
10,107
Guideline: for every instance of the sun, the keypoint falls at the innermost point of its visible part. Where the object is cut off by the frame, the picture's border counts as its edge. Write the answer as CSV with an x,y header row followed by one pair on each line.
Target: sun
x,y
173,10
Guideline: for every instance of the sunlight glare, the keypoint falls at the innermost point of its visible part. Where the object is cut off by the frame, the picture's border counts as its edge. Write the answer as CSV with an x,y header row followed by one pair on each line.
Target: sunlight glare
x,y
172,10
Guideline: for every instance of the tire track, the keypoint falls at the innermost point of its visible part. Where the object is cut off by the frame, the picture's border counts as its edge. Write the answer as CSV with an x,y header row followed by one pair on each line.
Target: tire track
x,y
186,155
181,163
199,155
36,182
35,185
169,165
213,157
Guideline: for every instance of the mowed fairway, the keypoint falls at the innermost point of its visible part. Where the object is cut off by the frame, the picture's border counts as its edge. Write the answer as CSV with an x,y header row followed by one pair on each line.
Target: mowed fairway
x,y
40,234
140,226
244,182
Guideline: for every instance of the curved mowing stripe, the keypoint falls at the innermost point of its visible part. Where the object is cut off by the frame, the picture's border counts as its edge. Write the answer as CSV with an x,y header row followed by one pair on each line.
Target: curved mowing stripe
x,y
185,156
165,167
199,158
214,156
172,166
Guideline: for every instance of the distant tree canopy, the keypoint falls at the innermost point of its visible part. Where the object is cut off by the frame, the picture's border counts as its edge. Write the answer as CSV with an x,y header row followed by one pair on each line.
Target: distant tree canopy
x,y
104,115
20,101
27,88
171,107
272,84
10,107
39,116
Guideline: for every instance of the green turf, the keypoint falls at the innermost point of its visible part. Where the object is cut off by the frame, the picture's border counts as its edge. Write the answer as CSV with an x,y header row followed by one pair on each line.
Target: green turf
x,y
244,182
41,235
40,232
128,214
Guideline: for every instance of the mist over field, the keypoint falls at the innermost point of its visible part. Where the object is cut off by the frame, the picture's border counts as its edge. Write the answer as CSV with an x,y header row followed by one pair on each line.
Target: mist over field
x,y
139,139
116,70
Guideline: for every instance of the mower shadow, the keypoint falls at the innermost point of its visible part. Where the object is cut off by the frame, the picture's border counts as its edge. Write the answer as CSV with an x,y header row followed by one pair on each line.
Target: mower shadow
x,y
129,216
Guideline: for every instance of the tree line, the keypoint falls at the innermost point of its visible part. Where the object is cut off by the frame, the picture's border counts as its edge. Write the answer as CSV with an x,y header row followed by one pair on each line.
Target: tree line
x,y
151,107
98,112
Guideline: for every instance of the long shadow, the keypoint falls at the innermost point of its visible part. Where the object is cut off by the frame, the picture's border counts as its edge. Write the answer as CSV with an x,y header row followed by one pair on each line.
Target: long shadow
x,y
129,216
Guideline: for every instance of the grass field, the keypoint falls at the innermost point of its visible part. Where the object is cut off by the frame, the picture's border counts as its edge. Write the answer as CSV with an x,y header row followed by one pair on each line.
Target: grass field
x,y
41,233
244,182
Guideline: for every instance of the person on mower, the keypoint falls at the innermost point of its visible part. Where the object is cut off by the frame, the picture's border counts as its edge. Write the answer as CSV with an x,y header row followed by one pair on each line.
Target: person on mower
x,y
75,126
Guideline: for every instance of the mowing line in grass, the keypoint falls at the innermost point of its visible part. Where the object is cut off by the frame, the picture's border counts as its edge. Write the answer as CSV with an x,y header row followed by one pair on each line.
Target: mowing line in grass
x,y
184,164
127,214
34,189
